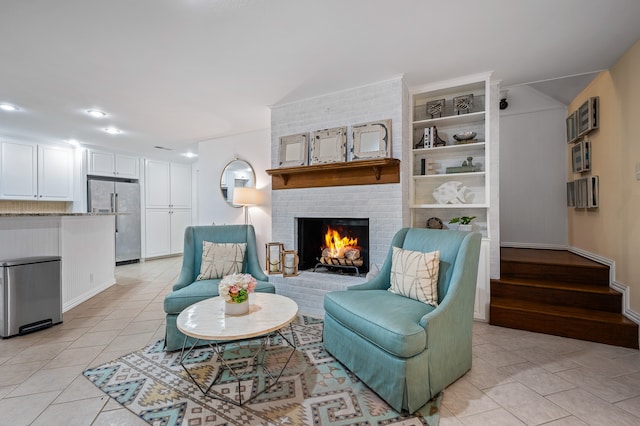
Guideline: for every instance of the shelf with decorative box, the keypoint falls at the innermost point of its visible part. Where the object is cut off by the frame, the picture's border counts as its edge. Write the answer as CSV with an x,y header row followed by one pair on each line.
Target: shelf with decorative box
x,y
450,163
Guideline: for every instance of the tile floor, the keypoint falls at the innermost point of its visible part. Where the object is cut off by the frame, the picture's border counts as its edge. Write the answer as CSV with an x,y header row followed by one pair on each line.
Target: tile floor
x,y
518,378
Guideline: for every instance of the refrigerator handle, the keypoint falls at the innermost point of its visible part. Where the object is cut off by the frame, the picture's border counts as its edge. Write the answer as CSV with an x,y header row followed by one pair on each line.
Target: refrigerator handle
x,y
114,207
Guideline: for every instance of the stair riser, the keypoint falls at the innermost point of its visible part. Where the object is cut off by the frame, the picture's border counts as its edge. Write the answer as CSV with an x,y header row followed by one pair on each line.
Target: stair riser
x,y
561,273
620,335
558,297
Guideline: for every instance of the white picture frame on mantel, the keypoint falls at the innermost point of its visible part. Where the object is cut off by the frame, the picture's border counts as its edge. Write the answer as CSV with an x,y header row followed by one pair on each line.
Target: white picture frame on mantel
x,y
329,146
371,140
294,150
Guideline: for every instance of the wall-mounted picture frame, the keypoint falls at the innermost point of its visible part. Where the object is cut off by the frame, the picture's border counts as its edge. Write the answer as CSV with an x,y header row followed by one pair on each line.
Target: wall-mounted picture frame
x,y
581,157
571,194
587,192
371,140
588,116
572,133
329,146
435,108
294,150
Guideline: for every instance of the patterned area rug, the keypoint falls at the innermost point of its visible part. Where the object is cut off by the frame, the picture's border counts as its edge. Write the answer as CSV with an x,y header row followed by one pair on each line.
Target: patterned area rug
x,y
314,388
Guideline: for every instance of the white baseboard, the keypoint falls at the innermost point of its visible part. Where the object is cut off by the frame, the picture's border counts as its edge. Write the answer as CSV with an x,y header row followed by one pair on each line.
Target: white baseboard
x,y
534,246
86,296
617,286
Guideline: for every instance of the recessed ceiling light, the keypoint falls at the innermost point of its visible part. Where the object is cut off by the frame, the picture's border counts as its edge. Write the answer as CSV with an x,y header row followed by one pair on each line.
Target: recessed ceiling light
x,y
112,130
8,107
73,142
190,155
96,113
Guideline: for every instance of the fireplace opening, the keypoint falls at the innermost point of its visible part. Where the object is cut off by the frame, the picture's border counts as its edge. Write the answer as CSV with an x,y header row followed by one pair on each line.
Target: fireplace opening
x,y
334,244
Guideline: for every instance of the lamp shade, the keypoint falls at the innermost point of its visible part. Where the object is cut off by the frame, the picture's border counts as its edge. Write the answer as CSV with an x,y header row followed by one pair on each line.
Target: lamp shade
x,y
245,196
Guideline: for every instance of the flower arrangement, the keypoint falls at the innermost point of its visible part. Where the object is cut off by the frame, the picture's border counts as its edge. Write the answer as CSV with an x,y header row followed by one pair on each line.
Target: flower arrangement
x,y
236,288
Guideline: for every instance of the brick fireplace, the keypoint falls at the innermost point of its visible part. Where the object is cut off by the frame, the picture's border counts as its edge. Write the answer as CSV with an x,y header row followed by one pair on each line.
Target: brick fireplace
x,y
383,205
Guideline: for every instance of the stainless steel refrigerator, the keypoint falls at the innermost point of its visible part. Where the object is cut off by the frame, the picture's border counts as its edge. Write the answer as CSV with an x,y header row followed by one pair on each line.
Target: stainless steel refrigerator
x,y
109,196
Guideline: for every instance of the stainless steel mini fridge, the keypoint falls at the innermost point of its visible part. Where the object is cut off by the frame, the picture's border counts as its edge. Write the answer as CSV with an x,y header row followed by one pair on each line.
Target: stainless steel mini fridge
x,y
30,293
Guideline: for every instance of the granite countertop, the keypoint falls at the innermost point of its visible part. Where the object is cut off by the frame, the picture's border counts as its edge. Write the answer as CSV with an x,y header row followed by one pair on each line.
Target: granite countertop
x,y
36,214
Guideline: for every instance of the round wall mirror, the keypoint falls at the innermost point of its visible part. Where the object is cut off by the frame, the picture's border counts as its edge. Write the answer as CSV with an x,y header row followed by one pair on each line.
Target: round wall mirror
x,y
236,174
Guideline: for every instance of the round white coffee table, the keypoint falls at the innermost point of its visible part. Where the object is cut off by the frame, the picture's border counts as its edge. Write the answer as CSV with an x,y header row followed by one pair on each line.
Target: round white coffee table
x,y
206,320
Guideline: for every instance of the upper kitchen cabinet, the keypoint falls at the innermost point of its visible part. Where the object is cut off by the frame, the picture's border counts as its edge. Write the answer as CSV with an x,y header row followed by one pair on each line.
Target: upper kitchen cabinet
x,y
103,163
32,171
168,185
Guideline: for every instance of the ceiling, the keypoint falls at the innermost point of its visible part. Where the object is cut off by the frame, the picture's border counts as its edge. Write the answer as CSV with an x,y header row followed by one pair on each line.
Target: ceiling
x,y
171,73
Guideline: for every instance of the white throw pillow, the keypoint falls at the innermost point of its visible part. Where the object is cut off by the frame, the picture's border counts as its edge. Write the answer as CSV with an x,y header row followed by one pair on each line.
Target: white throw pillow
x,y
220,259
414,274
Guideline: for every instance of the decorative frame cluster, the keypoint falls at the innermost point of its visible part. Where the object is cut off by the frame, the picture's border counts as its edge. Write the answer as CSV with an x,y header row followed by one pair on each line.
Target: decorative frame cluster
x,y
370,140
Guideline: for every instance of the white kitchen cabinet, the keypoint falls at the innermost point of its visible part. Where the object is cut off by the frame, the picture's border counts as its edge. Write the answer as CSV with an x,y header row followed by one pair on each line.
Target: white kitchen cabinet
x,y
180,186
165,231
180,219
168,206
32,171
168,185
102,163
158,232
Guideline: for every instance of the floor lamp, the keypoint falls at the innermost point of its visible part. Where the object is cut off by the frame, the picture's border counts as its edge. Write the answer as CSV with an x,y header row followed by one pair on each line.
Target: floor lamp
x,y
245,197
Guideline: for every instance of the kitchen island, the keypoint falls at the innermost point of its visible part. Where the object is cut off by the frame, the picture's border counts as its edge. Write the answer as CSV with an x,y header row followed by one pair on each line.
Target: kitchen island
x,y
84,241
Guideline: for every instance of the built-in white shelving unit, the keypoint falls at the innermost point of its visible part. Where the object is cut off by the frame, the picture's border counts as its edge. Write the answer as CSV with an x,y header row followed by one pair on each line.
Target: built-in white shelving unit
x,y
474,186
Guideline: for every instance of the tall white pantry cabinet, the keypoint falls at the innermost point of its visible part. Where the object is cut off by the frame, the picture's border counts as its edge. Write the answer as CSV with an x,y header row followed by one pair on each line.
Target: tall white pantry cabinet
x,y
168,207
458,178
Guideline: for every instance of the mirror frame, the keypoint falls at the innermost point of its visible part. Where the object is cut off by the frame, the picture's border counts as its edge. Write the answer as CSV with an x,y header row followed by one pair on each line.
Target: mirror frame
x,y
224,188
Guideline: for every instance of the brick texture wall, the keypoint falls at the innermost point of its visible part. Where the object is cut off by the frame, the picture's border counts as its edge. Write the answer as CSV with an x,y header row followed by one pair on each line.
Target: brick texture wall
x,y
384,205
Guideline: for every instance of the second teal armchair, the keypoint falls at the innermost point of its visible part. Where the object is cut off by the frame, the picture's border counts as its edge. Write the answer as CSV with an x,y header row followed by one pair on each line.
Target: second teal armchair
x,y
405,350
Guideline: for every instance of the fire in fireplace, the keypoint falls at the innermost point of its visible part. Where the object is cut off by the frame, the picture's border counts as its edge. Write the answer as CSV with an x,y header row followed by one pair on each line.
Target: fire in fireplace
x,y
337,244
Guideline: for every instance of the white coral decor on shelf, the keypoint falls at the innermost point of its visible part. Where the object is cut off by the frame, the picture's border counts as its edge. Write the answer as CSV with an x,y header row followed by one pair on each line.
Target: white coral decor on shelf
x,y
451,193
236,288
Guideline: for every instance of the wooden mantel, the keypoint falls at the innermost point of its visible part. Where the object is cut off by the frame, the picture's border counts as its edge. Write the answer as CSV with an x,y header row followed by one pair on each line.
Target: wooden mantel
x,y
361,172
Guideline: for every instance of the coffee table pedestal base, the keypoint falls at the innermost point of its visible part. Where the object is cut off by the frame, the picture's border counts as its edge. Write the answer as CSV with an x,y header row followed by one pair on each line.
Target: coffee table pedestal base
x,y
219,348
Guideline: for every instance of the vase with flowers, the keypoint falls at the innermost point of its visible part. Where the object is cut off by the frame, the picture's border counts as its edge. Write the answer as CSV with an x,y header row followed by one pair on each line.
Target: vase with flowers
x,y
235,290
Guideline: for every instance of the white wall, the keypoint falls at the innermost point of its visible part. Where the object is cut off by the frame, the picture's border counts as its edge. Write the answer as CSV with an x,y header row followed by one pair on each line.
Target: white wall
x,y
214,155
533,209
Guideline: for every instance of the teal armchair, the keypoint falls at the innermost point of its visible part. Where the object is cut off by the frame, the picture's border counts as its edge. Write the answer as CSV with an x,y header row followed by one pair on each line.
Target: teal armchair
x,y
187,291
405,350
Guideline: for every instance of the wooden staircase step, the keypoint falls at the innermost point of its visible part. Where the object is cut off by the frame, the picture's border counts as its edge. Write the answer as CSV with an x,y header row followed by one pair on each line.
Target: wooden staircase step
x,y
586,324
558,293
553,265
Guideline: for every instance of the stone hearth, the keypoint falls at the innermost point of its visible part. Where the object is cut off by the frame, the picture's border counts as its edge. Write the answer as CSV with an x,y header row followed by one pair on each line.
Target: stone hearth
x,y
307,289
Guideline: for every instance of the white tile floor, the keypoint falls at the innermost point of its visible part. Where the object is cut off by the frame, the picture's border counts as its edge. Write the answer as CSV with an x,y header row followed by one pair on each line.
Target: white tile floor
x,y
518,378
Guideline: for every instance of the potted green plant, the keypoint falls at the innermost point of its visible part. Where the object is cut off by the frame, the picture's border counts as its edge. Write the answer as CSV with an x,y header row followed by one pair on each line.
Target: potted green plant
x,y
464,222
